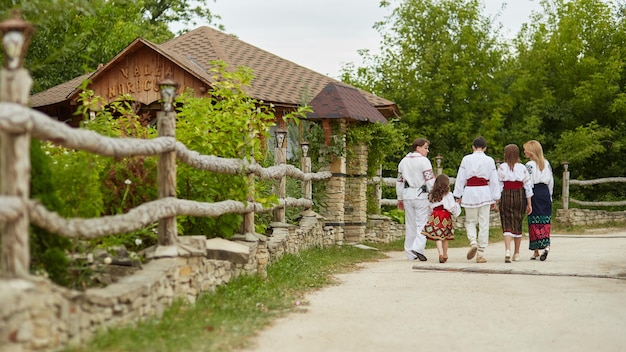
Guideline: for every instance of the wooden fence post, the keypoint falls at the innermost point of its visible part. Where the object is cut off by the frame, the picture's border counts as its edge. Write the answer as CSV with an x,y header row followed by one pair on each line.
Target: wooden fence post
x,y
166,169
305,164
280,158
15,84
248,218
565,195
378,190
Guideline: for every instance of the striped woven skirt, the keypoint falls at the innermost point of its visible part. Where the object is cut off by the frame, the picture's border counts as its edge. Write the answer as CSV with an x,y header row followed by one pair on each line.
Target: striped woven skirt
x,y
541,217
512,209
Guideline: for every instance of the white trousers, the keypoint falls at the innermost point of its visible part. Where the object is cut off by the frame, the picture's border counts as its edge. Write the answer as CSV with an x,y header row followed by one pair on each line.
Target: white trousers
x,y
416,212
478,217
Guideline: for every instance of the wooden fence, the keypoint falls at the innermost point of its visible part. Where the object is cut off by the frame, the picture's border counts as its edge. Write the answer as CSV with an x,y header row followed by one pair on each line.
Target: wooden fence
x,y
566,199
380,181
19,124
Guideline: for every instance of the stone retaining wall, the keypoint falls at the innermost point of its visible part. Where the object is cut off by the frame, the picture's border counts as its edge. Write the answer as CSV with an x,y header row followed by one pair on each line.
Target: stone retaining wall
x,y
588,217
37,315
382,229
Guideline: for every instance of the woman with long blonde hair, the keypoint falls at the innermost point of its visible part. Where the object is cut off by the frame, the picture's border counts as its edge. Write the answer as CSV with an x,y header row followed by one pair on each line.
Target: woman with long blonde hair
x,y
540,218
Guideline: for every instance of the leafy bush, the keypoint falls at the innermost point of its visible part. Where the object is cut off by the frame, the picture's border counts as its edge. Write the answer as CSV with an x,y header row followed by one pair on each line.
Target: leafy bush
x,y
396,215
47,250
226,123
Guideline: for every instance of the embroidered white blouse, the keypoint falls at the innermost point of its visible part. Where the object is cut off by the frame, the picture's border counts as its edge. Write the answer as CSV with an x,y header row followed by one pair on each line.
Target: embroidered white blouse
x,y
541,176
449,204
519,173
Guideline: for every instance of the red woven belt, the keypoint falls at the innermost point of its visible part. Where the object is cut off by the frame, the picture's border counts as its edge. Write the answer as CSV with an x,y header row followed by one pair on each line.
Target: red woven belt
x,y
476,181
513,184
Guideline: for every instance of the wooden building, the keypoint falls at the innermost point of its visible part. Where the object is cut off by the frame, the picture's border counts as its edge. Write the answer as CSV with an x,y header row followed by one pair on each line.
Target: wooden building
x,y
137,69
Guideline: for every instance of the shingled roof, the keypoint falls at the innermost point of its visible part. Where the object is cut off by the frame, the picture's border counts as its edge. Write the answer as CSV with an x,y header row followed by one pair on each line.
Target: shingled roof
x,y
58,93
277,80
338,100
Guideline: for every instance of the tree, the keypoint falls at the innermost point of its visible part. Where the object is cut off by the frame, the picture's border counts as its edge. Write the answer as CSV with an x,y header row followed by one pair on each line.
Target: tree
x,y
73,36
567,85
183,11
440,63
560,81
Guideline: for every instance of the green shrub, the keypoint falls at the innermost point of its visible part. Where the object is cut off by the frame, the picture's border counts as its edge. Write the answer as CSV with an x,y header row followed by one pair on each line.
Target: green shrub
x,y
47,250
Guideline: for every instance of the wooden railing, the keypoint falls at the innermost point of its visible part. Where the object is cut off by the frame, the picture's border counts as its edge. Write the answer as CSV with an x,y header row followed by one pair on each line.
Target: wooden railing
x,y
379,181
19,124
566,199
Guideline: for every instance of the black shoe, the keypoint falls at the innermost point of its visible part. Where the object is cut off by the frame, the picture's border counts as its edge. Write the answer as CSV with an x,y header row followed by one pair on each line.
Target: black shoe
x,y
419,256
544,255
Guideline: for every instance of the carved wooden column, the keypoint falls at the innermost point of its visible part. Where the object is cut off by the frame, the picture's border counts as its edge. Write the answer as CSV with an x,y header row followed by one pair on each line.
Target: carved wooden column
x,y
166,168
248,218
15,166
305,165
280,158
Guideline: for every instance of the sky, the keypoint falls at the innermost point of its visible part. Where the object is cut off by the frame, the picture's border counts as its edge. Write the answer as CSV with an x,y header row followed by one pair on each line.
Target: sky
x,y
323,35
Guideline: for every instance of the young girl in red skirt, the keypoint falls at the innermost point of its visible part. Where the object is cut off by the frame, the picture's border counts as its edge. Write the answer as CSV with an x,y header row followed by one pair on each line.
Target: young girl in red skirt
x,y
440,227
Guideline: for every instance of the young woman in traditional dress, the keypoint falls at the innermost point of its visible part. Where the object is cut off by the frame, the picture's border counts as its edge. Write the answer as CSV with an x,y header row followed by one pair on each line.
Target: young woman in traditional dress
x,y
543,184
517,190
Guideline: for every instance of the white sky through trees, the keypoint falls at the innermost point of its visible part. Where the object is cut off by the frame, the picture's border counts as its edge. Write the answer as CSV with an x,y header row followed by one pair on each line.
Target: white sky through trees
x,y
323,35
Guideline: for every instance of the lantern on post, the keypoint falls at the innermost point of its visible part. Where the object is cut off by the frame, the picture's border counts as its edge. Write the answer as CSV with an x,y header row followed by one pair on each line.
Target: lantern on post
x,y
168,89
280,135
439,160
16,35
305,149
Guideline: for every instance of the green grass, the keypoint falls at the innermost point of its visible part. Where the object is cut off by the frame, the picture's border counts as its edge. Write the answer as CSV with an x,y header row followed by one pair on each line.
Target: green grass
x,y
578,229
228,318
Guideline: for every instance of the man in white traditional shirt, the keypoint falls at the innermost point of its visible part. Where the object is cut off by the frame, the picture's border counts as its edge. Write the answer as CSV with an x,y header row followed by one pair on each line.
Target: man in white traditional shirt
x,y
415,179
477,189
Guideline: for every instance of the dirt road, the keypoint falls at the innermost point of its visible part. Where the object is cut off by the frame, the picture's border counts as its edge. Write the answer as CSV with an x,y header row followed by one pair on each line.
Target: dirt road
x,y
574,301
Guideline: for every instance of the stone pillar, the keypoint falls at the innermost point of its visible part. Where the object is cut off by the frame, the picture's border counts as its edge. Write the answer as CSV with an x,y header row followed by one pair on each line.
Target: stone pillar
x,y
336,189
355,209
